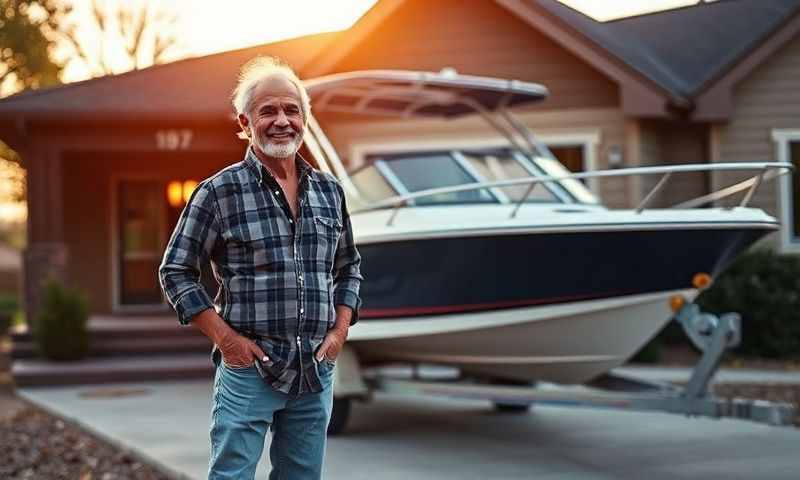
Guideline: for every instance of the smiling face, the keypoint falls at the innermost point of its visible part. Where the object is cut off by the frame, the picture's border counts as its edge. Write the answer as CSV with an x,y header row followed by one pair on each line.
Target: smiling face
x,y
273,117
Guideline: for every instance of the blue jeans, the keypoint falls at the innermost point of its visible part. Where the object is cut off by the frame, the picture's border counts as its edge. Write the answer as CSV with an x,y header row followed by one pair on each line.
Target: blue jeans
x,y
244,407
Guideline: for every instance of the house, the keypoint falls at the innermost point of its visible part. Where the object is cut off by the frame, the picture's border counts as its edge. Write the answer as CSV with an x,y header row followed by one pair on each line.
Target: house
x,y
109,160
10,267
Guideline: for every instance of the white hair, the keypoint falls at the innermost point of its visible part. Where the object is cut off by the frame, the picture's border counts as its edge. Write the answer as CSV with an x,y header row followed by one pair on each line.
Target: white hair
x,y
258,69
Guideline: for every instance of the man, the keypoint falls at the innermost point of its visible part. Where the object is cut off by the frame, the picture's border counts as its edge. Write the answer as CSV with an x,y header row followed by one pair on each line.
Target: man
x,y
280,243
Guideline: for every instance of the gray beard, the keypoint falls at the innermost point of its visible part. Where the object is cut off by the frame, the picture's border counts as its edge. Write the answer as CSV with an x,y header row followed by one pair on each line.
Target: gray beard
x,y
279,150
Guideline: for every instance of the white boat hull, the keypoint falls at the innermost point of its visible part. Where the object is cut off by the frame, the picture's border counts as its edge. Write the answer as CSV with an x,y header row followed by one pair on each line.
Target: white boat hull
x,y
567,343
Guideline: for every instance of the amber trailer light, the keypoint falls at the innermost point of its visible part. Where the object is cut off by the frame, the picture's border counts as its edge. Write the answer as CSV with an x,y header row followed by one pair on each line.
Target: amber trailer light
x,y
701,280
676,302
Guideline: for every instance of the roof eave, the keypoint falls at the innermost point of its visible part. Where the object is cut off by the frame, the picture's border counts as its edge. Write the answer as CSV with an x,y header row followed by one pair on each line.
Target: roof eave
x,y
714,100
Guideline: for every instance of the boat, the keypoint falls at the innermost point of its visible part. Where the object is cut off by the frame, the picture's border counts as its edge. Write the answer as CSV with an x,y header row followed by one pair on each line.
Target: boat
x,y
500,262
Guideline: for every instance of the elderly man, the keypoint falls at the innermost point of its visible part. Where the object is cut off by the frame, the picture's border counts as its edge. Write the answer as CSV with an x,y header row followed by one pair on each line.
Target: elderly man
x,y
278,236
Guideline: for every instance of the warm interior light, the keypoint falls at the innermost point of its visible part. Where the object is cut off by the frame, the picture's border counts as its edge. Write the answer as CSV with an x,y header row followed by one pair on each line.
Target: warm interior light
x,y
701,280
175,194
188,188
676,302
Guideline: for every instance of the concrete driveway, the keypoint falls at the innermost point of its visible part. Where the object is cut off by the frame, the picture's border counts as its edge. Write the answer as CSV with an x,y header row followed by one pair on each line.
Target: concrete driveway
x,y
399,437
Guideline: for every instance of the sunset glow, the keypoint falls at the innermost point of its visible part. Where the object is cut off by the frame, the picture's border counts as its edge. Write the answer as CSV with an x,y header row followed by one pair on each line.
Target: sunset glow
x,y
209,26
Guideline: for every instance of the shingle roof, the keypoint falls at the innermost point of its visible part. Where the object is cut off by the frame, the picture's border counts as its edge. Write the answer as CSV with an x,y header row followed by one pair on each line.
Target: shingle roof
x,y
680,50
198,86
683,49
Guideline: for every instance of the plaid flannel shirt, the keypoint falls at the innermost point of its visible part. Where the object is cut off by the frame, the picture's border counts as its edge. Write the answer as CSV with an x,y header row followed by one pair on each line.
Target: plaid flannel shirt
x,y
279,278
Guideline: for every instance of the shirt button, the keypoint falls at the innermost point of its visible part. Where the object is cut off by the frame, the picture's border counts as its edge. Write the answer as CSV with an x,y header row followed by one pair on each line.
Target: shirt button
x,y
277,192
301,310
291,221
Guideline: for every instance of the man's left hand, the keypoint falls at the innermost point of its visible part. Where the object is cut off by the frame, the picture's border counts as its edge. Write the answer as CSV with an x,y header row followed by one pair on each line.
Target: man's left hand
x,y
332,344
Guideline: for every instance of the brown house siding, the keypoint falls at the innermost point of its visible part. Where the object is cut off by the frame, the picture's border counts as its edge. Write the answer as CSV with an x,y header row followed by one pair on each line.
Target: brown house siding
x,y
673,143
480,38
768,99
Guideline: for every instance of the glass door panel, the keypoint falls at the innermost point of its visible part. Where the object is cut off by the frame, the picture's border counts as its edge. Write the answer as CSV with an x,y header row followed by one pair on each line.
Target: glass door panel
x,y
140,214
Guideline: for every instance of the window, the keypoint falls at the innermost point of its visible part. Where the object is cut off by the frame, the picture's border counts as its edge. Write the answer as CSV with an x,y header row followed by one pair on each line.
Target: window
x,y
794,155
419,172
495,166
787,143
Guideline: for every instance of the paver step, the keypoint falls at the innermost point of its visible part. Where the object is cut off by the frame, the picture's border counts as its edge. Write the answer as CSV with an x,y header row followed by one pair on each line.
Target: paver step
x,y
110,336
36,372
129,346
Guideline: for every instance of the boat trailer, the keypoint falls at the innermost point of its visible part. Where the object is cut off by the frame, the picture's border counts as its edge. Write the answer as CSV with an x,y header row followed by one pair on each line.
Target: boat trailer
x,y
710,333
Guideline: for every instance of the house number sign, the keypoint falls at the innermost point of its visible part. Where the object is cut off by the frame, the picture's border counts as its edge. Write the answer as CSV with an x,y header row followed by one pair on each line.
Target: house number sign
x,y
174,139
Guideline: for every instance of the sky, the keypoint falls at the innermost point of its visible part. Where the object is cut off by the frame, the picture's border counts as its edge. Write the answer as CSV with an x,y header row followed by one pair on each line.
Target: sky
x,y
205,26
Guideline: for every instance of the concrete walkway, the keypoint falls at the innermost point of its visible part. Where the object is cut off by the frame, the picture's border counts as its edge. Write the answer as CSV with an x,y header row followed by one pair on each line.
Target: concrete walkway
x,y
397,437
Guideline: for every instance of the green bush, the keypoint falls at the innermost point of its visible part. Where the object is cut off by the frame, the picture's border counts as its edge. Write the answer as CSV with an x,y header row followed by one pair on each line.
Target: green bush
x,y
8,308
764,287
9,302
60,326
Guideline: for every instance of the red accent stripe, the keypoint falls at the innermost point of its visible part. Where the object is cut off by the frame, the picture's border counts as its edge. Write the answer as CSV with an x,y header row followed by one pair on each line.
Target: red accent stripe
x,y
472,307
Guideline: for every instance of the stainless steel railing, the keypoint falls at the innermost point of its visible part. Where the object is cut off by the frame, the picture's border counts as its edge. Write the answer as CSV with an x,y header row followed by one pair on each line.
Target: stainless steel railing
x,y
765,171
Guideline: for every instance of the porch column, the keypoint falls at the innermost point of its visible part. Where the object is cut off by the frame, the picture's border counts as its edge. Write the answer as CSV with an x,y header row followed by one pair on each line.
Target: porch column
x,y
46,253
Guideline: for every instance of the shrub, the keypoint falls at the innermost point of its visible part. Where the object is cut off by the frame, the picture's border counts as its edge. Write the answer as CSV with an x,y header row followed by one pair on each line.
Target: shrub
x,y
764,287
60,327
8,302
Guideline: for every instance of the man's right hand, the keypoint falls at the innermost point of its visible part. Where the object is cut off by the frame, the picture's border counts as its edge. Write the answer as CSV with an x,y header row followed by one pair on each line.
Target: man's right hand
x,y
237,351
240,352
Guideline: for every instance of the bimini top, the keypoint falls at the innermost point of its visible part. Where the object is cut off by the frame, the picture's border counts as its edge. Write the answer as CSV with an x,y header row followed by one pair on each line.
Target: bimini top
x,y
408,93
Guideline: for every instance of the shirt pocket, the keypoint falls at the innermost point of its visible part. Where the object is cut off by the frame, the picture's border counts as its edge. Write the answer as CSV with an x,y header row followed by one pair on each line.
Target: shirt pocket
x,y
326,232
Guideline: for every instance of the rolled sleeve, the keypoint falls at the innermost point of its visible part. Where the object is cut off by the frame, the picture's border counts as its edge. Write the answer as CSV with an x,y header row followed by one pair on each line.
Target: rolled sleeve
x,y
347,267
191,303
191,244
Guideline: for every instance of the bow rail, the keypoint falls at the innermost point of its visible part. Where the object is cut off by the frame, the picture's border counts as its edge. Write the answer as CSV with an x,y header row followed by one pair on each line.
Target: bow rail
x,y
765,171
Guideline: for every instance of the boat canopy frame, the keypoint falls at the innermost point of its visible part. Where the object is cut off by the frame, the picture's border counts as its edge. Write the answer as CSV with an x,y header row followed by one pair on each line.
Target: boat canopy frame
x,y
448,94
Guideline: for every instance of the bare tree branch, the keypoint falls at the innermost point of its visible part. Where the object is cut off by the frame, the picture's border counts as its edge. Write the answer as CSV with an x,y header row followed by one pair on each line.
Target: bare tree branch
x,y
136,40
142,34
70,36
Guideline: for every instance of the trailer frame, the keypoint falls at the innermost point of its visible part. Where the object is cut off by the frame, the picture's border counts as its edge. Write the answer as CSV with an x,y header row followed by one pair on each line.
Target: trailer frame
x,y
711,334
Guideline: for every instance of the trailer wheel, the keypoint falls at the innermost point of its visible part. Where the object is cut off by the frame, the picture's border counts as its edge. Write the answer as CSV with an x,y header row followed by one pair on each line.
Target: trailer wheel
x,y
505,407
512,407
339,415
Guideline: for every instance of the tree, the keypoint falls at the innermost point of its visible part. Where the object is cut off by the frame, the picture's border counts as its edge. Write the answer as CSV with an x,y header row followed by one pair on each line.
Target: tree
x,y
12,176
121,37
26,42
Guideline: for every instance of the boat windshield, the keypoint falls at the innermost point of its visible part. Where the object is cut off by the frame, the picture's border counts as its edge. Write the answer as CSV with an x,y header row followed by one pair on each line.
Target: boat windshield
x,y
390,175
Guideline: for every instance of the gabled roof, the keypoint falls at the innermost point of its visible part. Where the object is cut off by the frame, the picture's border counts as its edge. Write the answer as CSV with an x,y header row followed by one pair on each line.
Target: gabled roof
x,y
199,86
668,58
684,49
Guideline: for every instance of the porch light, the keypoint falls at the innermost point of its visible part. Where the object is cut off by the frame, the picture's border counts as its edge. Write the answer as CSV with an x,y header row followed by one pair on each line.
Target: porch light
x,y
178,192
175,194
188,188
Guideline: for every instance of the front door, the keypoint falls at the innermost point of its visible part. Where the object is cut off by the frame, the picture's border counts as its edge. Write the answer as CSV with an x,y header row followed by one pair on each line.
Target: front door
x,y
141,232
147,211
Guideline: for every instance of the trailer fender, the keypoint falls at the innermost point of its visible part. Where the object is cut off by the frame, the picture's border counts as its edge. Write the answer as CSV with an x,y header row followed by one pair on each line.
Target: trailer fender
x,y
348,381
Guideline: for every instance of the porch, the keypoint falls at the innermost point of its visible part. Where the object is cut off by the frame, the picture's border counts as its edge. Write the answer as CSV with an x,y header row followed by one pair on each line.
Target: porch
x,y
123,348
